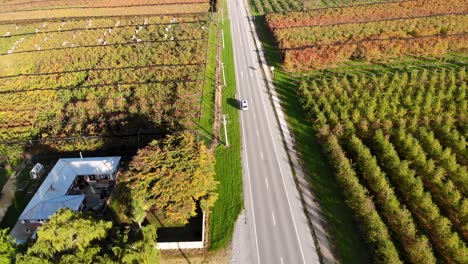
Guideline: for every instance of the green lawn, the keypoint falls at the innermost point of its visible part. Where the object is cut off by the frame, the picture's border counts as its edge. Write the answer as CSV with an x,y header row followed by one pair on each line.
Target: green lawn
x,y
349,245
228,160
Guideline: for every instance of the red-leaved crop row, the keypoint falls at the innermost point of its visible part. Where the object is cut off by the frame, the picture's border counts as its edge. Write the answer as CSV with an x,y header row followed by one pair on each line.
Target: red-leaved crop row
x,y
325,56
365,13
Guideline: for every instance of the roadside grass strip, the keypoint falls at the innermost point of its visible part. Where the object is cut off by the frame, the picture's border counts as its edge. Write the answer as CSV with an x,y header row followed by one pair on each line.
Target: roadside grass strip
x,y
228,159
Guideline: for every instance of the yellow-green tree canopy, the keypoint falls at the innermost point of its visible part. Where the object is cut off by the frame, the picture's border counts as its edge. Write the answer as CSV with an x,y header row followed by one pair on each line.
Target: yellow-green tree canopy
x,y
171,176
71,237
68,232
7,249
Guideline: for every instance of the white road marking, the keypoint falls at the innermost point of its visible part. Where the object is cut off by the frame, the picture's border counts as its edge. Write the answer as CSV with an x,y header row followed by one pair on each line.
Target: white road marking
x,y
273,216
281,171
281,258
258,135
266,182
254,115
247,163
242,74
251,74
261,155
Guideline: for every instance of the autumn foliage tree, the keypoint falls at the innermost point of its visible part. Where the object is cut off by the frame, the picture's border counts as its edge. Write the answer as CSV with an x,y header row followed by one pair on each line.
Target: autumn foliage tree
x,y
171,176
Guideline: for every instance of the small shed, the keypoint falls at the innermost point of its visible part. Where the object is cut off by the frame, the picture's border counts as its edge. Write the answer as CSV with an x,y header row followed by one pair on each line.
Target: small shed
x,y
37,171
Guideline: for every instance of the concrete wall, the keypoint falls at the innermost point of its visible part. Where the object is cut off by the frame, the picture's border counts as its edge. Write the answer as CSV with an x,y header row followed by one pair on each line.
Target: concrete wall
x,y
184,245
180,245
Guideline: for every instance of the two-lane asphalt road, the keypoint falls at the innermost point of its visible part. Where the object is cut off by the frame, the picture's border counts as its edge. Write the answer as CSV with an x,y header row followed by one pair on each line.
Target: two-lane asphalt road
x,y
278,228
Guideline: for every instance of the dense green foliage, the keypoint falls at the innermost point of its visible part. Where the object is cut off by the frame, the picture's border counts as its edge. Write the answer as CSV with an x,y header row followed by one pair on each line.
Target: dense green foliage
x,y
411,99
370,223
7,249
399,219
70,237
386,123
67,234
171,176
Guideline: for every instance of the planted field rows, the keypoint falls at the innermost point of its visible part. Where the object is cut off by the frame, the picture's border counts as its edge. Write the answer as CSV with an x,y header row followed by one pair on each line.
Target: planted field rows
x,y
14,6
98,77
326,56
310,4
328,37
102,36
292,38
106,11
366,13
398,144
269,6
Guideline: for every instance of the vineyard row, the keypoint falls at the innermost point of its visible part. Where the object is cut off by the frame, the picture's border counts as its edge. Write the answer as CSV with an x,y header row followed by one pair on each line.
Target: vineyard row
x,y
366,13
88,2
36,23
201,22
142,42
406,28
64,14
151,66
325,56
47,8
15,91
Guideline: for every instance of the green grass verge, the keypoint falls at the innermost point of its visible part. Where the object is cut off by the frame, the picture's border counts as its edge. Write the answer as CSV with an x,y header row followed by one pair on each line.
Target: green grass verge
x,y
348,242
205,125
228,160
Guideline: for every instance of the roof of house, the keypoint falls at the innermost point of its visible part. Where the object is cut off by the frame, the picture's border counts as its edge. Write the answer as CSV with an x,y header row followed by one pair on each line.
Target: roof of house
x,y
51,195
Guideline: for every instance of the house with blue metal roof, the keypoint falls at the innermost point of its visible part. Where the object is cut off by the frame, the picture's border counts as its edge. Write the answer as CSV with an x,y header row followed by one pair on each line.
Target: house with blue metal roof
x,y
63,187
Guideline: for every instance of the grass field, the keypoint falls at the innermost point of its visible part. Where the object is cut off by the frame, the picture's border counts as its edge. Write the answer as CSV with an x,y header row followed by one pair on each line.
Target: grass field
x,y
228,160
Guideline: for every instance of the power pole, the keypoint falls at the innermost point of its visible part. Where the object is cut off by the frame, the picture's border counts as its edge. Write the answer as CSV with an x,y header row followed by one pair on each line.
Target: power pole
x,y
225,130
224,75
